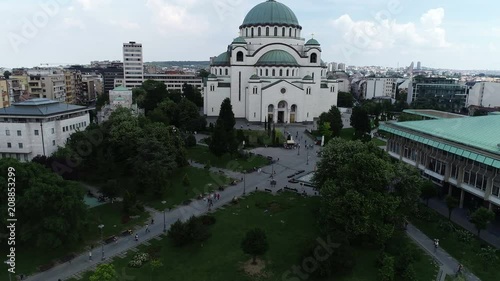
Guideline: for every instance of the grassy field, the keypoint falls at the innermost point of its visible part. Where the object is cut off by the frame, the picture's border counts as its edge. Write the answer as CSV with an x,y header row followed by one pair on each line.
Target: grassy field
x,y
201,181
254,136
201,154
29,258
289,223
465,252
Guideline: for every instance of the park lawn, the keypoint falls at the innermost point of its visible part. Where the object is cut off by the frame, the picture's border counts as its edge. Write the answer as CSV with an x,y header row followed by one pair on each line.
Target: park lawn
x,y
466,253
201,181
378,142
29,258
347,133
290,224
202,155
253,137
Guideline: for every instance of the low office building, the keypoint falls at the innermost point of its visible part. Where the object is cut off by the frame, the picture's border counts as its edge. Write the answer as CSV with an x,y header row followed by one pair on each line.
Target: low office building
x,y
462,155
176,81
38,127
118,97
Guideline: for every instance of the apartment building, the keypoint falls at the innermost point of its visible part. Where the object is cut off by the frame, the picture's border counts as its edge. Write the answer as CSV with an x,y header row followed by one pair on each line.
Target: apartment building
x,y
483,94
50,84
4,93
133,65
73,81
436,92
177,80
380,88
38,127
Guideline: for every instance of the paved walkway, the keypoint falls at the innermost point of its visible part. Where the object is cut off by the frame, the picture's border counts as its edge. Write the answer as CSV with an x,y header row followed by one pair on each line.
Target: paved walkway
x,y
459,216
289,163
448,264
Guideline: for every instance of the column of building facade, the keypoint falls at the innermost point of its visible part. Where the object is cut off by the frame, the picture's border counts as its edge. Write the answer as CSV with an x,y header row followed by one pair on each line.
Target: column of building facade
x,y
487,192
460,178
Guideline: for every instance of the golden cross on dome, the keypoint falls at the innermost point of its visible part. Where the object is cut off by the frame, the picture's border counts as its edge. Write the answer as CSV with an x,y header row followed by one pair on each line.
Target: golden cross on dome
x,y
312,34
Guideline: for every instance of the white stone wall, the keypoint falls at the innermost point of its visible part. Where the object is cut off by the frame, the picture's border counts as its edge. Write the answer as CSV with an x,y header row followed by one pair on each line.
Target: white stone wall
x,y
485,94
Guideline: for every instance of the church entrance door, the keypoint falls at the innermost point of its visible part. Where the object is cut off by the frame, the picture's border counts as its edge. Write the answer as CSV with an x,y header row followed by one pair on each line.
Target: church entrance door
x,y
281,117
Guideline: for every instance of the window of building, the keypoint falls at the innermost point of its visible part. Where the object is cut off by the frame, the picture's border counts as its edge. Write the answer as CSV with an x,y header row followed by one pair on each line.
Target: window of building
x,y
252,32
18,156
274,72
247,32
267,72
258,31
239,56
54,143
290,33
261,72
19,133
227,72
314,58
281,72
9,145
275,31
212,109
495,191
287,72
20,145
267,31
7,132
25,157
254,115
53,131
220,71
36,132
283,32
295,32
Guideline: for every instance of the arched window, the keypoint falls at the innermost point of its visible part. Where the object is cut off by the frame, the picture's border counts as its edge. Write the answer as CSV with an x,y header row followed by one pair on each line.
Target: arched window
x,y
314,58
274,72
252,32
287,72
220,71
332,89
270,108
267,72
255,90
290,33
281,72
246,30
283,32
258,31
267,31
227,72
282,104
239,56
261,72
275,31
295,33
294,108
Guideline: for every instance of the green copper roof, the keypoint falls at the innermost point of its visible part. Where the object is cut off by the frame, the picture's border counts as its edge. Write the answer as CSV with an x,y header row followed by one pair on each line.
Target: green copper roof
x,y
312,42
478,132
120,89
307,77
270,13
239,40
277,58
211,75
255,77
222,59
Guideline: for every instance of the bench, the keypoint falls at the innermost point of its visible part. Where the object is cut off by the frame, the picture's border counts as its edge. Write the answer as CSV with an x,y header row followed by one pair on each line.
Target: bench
x,y
110,239
279,190
268,190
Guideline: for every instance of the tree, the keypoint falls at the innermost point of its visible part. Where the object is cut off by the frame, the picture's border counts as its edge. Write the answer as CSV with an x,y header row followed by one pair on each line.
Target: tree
x,y
345,100
7,74
167,112
481,218
190,141
185,181
156,92
334,117
386,272
110,189
104,272
52,209
360,122
189,118
219,143
224,138
451,203
255,243
102,100
428,191
480,112
226,115
192,94
326,131
203,73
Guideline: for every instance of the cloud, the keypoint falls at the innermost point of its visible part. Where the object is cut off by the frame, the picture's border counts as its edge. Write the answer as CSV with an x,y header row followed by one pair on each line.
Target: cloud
x,y
124,24
69,23
386,33
92,4
176,15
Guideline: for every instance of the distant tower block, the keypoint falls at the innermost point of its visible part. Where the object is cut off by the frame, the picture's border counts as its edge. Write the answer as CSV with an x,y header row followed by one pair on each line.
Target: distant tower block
x,y
419,66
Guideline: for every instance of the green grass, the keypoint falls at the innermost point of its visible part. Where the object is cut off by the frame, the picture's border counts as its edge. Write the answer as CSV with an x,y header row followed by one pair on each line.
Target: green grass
x,y
201,181
201,154
347,133
378,142
466,253
289,225
29,258
253,137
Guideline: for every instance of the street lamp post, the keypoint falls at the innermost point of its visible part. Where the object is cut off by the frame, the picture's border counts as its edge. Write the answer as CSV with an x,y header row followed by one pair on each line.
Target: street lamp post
x,y
101,226
10,276
298,150
244,183
307,163
164,221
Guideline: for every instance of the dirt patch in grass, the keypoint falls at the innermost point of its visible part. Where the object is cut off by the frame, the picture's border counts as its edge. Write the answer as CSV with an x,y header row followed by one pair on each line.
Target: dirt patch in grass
x,y
272,206
255,270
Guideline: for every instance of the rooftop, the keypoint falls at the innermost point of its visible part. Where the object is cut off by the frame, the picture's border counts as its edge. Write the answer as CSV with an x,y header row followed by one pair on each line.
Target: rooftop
x,y
481,134
121,89
39,107
434,114
270,13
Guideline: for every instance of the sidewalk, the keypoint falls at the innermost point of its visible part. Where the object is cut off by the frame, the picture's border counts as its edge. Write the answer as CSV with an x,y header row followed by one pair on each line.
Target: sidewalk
x,y
459,216
448,264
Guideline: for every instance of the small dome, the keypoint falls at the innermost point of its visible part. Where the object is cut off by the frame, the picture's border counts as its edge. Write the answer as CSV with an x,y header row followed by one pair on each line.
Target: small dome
x,y
211,75
271,13
307,77
330,77
255,77
277,58
222,59
312,42
239,40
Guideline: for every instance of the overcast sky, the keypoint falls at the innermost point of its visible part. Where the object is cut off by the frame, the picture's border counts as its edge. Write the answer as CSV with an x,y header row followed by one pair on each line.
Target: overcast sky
x,y
439,33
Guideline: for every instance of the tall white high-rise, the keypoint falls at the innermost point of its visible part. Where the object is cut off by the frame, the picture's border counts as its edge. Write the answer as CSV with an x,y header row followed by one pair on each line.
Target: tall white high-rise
x,y
419,65
133,65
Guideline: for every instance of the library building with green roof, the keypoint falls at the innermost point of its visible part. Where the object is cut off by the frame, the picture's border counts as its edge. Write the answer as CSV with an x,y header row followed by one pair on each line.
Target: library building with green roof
x,y
461,155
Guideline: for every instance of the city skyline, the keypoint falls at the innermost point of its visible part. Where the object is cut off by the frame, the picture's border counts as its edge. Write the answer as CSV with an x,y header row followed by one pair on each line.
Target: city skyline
x,y
377,32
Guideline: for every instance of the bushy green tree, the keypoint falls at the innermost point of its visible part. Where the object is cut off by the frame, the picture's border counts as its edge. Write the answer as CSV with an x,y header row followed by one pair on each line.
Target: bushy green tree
x,y
428,191
360,121
255,244
481,218
451,203
224,136
104,272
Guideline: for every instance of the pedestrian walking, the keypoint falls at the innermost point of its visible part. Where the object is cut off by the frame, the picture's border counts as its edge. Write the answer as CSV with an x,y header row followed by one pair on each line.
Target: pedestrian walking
x,y
90,256
459,270
136,237
436,244
152,221
147,228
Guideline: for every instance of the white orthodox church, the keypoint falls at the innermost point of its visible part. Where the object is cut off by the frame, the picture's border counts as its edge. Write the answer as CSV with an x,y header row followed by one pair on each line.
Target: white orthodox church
x,y
270,72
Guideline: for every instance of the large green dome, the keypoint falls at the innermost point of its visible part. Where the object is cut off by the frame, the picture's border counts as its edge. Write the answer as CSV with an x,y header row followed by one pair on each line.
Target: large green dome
x,y
222,59
277,58
271,13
